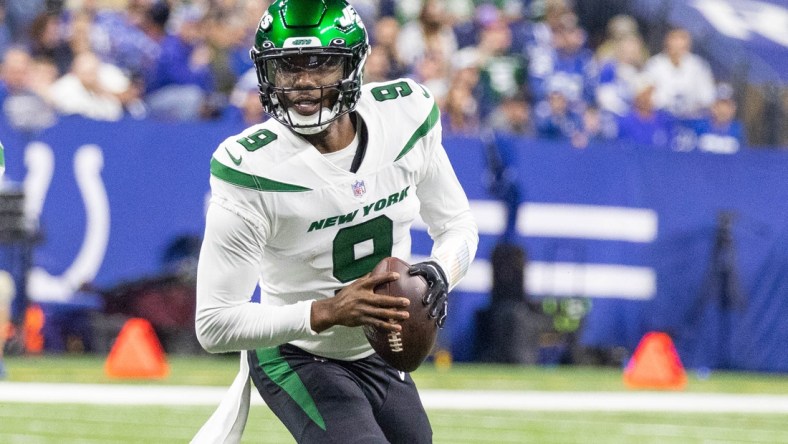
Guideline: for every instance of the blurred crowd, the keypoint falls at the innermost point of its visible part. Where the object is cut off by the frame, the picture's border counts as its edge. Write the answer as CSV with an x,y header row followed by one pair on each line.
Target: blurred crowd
x,y
525,67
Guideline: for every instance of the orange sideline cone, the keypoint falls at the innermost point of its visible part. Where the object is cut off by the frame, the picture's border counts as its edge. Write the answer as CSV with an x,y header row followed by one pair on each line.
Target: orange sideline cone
x,y
32,327
137,353
655,365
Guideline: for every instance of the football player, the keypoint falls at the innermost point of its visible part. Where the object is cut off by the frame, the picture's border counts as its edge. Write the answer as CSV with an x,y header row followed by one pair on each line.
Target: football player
x,y
305,205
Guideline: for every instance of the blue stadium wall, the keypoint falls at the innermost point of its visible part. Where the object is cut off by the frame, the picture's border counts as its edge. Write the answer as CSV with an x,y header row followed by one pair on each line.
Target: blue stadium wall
x,y
630,228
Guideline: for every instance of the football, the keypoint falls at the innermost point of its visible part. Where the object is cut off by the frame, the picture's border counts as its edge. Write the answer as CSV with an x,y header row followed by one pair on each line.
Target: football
x,y
407,349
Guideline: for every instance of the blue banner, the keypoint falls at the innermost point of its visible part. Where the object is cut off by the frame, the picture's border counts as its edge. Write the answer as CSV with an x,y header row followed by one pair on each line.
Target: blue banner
x,y
692,244
154,177
728,314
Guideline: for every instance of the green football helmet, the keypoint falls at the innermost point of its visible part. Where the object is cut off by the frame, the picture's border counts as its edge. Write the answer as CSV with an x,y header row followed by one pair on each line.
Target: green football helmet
x,y
318,39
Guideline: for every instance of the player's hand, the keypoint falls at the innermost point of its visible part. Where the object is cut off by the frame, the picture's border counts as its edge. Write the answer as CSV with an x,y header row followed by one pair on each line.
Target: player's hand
x,y
357,304
438,296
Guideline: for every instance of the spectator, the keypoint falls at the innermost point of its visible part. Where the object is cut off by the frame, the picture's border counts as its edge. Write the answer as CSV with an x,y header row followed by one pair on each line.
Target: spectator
x,y
539,36
244,102
721,132
250,12
80,34
225,32
181,81
433,72
571,60
596,126
385,45
618,75
512,115
46,41
645,124
555,119
123,82
460,113
84,91
684,85
43,74
430,33
378,67
23,107
467,31
519,23
502,72
128,39
19,14
619,27
546,16
464,74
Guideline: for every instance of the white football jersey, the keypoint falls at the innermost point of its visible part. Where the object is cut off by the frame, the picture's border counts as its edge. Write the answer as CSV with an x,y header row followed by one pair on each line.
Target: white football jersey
x,y
310,228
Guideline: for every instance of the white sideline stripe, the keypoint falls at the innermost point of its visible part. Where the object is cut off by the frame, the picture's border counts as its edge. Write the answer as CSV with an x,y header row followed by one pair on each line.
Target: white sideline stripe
x,y
605,401
573,221
98,394
569,279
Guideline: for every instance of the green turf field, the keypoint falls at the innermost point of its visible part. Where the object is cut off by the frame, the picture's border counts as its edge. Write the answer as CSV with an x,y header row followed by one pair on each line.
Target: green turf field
x,y
69,424
75,423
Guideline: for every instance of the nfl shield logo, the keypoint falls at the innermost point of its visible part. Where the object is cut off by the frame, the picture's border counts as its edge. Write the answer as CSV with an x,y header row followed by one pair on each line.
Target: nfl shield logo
x,y
358,188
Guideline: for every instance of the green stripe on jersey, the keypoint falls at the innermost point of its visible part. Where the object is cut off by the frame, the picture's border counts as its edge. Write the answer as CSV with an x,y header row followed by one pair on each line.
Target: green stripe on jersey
x,y
280,372
244,180
421,131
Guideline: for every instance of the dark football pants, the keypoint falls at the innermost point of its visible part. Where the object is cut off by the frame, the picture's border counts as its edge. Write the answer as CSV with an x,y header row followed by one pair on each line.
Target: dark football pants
x,y
323,400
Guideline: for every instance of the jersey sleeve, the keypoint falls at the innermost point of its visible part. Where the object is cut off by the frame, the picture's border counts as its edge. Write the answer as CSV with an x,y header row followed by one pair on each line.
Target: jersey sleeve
x,y
445,210
227,274
236,230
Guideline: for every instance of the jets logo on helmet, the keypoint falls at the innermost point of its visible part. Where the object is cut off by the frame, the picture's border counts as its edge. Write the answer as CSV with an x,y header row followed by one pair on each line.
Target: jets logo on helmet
x,y
349,17
320,40
265,22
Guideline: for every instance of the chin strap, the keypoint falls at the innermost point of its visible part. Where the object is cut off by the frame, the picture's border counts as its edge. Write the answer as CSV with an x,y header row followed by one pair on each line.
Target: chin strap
x,y
299,122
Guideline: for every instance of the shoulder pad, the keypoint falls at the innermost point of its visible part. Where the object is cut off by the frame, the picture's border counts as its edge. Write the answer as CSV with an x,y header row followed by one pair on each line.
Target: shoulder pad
x,y
408,93
250,160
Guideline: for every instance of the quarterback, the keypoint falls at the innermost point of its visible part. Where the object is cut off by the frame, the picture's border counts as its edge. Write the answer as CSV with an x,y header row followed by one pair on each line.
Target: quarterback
x,y
304,206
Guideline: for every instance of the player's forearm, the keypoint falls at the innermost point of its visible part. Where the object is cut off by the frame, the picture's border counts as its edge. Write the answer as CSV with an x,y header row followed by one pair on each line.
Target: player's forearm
x,y
455,247
248,326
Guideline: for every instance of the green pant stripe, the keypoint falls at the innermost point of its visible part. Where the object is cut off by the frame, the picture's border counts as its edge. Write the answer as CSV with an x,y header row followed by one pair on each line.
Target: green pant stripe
x,y
280,372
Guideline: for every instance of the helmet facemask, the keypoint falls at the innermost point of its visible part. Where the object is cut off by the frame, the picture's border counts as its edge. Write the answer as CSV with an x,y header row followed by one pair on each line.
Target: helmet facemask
x,y
307,89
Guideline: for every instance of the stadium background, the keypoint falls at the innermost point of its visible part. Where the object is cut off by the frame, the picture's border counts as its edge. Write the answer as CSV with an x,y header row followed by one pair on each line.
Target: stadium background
x,y
691,243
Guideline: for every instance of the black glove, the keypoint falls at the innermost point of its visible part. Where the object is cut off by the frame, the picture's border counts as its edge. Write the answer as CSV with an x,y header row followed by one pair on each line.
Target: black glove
x,y
438,296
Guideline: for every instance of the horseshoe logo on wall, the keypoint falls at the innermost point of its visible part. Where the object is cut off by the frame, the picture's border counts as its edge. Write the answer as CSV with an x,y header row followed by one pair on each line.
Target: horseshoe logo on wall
x,y
88,163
